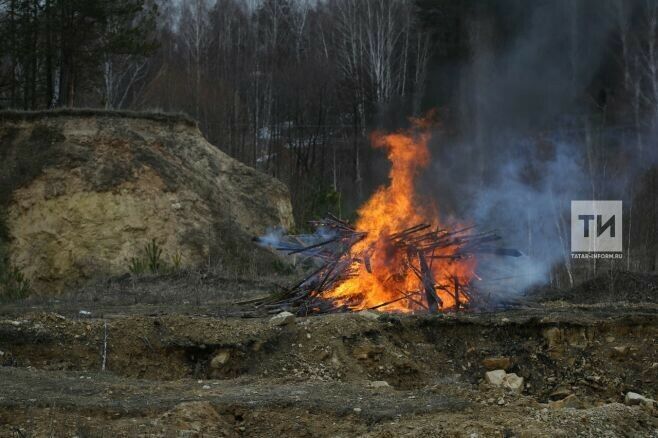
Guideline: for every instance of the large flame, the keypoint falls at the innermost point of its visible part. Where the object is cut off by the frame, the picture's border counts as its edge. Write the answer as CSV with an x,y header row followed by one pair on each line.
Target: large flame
x,y
393,208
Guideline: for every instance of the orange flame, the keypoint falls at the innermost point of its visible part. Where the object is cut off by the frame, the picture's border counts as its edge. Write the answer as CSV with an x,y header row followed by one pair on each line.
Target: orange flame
x,y
387,278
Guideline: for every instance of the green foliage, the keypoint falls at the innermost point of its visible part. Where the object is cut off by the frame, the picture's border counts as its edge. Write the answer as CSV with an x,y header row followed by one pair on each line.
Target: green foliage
x,y
321,200
176,261
13,284
137,266
152,260
153,254
70,38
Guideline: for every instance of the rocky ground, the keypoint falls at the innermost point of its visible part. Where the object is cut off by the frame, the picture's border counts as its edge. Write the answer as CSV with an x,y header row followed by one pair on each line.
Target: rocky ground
x,y
116,361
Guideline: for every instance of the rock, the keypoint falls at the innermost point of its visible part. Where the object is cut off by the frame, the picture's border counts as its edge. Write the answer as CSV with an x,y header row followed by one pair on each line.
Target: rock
x,y
197,416
513,382
497,363
634,399
379,384
571,401
365,352
83,192
357,410
220,359
495,377
560,393
620,351
368,314
510,381
361,355
323,355
281,319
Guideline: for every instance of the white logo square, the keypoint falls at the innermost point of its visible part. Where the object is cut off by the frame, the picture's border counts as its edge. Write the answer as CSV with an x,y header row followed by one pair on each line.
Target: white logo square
x,y
596,226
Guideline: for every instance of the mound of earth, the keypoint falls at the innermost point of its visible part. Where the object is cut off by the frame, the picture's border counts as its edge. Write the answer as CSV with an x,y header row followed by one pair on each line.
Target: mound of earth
x,y
83,192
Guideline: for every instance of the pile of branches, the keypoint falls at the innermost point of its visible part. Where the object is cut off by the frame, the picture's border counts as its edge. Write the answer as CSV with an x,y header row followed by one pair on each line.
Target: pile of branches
x,y
420,245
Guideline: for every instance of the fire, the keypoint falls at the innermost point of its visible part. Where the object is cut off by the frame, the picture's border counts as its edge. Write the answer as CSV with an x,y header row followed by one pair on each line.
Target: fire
x,y
383,275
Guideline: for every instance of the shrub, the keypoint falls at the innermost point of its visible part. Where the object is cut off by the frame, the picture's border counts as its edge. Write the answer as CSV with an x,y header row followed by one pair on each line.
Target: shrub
x,y
151,260
13,284
137,266
153,254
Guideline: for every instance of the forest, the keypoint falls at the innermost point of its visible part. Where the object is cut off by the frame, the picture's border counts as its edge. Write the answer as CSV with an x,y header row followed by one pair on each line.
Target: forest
x,y
537,103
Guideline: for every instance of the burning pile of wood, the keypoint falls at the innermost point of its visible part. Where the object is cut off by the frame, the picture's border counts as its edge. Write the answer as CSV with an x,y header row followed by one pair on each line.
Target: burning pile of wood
x,y
396,257
416,252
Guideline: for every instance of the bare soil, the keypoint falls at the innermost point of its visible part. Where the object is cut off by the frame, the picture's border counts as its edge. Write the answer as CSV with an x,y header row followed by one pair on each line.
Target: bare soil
x,y
132,365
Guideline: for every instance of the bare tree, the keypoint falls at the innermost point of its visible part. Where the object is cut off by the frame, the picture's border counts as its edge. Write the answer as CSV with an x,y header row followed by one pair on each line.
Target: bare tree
x,y
196,36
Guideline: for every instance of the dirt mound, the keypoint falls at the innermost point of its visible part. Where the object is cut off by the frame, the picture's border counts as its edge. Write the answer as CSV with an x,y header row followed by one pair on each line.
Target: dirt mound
x,y
332,375
83,193
610,287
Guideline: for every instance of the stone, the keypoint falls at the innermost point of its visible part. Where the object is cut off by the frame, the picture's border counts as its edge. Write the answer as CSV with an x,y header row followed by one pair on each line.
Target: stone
x,y
620,351
571,401
497,363
323,355
283,318
513,382
495,377
379,384
559,393
357,410
220,359
89,190
553,337
634,399
368,314
365,352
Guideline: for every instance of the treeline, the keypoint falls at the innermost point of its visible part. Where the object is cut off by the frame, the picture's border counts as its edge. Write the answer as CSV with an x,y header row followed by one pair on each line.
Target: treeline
x,y
290,86
57,52
294,87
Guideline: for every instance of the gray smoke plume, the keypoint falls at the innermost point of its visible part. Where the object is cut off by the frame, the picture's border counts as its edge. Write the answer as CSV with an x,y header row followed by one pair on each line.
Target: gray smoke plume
x,y
525,148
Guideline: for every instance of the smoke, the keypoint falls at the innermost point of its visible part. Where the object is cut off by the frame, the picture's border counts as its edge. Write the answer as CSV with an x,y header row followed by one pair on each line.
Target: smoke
x,y
277,239
525,148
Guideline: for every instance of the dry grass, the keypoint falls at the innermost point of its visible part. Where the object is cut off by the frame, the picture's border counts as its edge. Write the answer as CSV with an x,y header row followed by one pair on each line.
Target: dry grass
x,y
19,115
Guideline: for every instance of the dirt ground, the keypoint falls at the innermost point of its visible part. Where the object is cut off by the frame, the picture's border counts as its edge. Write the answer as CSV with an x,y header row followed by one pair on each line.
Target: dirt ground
x,y
118,361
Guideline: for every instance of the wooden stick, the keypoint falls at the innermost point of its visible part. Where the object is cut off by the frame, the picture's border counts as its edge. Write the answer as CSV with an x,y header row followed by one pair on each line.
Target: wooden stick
x,y
104,346
433,300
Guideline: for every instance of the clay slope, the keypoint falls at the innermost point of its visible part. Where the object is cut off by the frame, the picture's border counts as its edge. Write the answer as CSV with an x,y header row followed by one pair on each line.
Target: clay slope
x,y
83,192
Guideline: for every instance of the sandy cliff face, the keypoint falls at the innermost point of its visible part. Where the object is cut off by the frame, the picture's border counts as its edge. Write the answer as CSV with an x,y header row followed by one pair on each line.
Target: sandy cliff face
x,y
83,193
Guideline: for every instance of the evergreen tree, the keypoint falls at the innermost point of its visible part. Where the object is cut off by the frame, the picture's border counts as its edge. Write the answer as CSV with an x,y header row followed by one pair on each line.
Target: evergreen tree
x,y
54,50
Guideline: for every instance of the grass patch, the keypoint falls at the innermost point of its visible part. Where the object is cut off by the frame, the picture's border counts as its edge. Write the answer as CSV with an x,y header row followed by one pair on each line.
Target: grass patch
x,y
13,283
17,115
152,261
